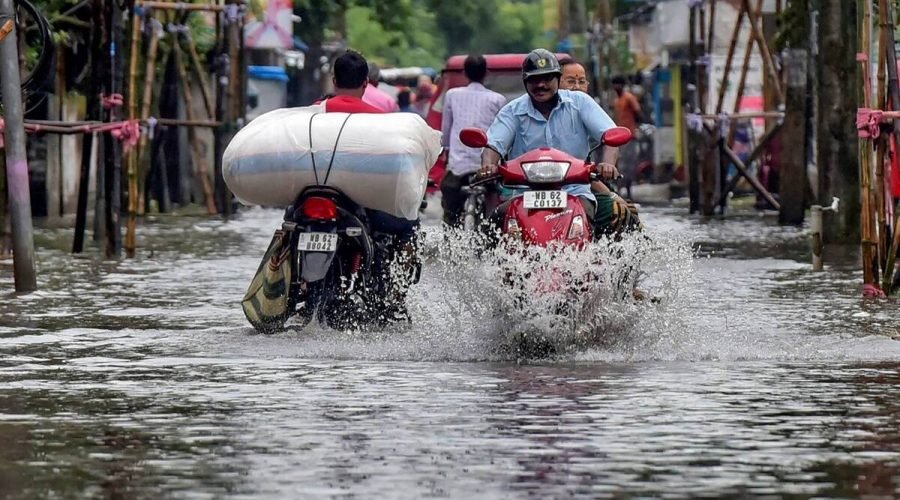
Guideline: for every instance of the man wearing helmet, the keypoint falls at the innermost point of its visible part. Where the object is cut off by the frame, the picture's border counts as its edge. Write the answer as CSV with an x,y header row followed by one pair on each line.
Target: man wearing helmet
x,y
549,117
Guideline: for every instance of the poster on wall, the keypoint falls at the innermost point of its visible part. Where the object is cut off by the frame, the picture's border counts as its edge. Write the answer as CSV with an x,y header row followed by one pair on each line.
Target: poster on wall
x,y
270,25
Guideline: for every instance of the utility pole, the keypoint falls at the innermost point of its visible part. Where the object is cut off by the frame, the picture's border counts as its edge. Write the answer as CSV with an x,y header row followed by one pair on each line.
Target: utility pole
x,y
16,159
837,142
793,181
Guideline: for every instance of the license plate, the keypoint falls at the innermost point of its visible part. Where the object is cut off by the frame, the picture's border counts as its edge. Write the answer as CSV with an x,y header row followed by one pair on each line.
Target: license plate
x,y
317,242
545,199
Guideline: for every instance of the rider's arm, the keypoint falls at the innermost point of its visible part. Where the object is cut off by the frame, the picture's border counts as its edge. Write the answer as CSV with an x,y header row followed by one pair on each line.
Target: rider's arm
x,y
489,160
501,135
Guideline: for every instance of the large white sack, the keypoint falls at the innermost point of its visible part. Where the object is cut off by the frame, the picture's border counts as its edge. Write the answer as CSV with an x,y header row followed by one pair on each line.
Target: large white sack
x,y
381,160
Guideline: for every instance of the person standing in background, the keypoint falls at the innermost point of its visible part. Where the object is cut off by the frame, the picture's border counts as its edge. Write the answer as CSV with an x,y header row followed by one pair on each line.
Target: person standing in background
x,y
375,96
471,106
628,114
425,90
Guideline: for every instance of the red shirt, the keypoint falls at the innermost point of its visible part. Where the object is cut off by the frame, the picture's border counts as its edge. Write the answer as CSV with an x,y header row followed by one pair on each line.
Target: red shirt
x,y
349,104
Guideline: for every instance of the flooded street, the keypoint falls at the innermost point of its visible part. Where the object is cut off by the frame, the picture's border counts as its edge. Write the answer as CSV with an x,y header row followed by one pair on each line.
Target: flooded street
x,y
751,376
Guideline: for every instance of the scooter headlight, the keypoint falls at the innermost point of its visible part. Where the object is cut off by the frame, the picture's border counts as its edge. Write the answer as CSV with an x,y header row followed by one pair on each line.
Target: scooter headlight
x,y
546,171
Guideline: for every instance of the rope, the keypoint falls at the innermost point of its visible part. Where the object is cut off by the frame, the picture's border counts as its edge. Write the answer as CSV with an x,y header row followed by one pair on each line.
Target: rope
x,y
311,152
334,150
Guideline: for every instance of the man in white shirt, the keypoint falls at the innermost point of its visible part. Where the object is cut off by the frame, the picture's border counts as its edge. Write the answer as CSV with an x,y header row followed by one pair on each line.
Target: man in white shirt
x,y
469,106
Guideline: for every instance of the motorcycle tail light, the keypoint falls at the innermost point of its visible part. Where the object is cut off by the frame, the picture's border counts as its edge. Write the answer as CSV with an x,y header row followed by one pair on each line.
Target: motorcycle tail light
x,y
513,229
319,208
546,171
576,230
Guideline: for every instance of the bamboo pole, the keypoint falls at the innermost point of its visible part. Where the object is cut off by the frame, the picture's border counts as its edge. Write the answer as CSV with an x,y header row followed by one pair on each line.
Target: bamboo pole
x,y
180,6
151,95
86,126
869,238
711,36
887,29
201,75
732,46
199,158
756,31
748,51
131,225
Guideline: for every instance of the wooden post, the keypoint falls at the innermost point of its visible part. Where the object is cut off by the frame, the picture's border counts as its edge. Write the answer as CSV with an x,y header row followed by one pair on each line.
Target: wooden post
x,y
793,181
867,215
815,225
16,158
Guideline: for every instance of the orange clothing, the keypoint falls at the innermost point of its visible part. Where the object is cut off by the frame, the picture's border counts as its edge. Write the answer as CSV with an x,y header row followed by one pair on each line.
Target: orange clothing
x,y
627,109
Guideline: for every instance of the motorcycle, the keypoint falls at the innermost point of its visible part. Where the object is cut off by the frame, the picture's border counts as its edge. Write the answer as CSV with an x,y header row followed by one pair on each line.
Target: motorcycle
x,y
343,271
544,214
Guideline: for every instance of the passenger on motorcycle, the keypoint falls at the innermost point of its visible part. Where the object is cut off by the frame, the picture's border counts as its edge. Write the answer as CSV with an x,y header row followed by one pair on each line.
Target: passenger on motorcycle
x,y
614,215
548,117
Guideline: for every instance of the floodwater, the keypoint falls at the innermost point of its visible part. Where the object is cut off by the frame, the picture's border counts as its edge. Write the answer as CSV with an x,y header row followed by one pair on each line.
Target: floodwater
x,y
750,376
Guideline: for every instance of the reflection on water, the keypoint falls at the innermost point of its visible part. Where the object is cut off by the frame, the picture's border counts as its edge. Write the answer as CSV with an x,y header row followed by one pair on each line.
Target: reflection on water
x,y
751,377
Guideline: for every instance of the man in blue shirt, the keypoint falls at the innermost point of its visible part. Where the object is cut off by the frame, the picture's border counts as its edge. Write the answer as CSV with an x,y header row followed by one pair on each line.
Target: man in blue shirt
x,y
549,117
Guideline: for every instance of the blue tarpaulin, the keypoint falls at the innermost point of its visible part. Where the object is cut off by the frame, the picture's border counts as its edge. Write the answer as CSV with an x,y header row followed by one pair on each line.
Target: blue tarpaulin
x,y
267,73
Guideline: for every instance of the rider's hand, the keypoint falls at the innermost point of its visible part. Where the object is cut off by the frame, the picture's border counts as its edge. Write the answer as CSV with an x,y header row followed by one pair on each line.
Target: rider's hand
x,y
607,171
487,170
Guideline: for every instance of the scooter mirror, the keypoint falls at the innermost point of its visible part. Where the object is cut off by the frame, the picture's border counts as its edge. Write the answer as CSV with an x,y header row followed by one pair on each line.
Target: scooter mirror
x,y
616,136
473,137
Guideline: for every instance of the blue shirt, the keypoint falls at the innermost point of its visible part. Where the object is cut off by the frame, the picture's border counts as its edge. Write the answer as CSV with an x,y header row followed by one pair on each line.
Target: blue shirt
x,y
575,120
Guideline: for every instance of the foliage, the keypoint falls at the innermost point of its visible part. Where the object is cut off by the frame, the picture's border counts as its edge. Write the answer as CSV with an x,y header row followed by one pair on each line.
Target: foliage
x,y
415,47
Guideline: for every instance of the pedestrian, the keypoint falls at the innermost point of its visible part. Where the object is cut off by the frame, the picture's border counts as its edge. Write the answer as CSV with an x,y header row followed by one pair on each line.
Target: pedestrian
x,y
425,90
471,106
375,96
628,114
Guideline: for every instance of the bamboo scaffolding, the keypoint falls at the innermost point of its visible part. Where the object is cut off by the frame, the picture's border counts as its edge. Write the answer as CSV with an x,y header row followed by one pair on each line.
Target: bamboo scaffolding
x,y
732,46
201,75
748,51
756,32
867,222
890,62
199,158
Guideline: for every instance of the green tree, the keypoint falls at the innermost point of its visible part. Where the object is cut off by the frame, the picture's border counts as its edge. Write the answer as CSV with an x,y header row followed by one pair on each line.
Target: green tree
x,y
321,20
415,45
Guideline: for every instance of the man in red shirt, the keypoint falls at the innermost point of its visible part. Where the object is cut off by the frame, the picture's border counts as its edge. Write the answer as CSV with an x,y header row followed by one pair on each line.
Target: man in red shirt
x,y
350,79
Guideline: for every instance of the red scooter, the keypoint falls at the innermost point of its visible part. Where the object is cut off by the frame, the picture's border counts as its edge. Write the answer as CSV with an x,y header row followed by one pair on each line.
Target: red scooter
x,y
544,214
